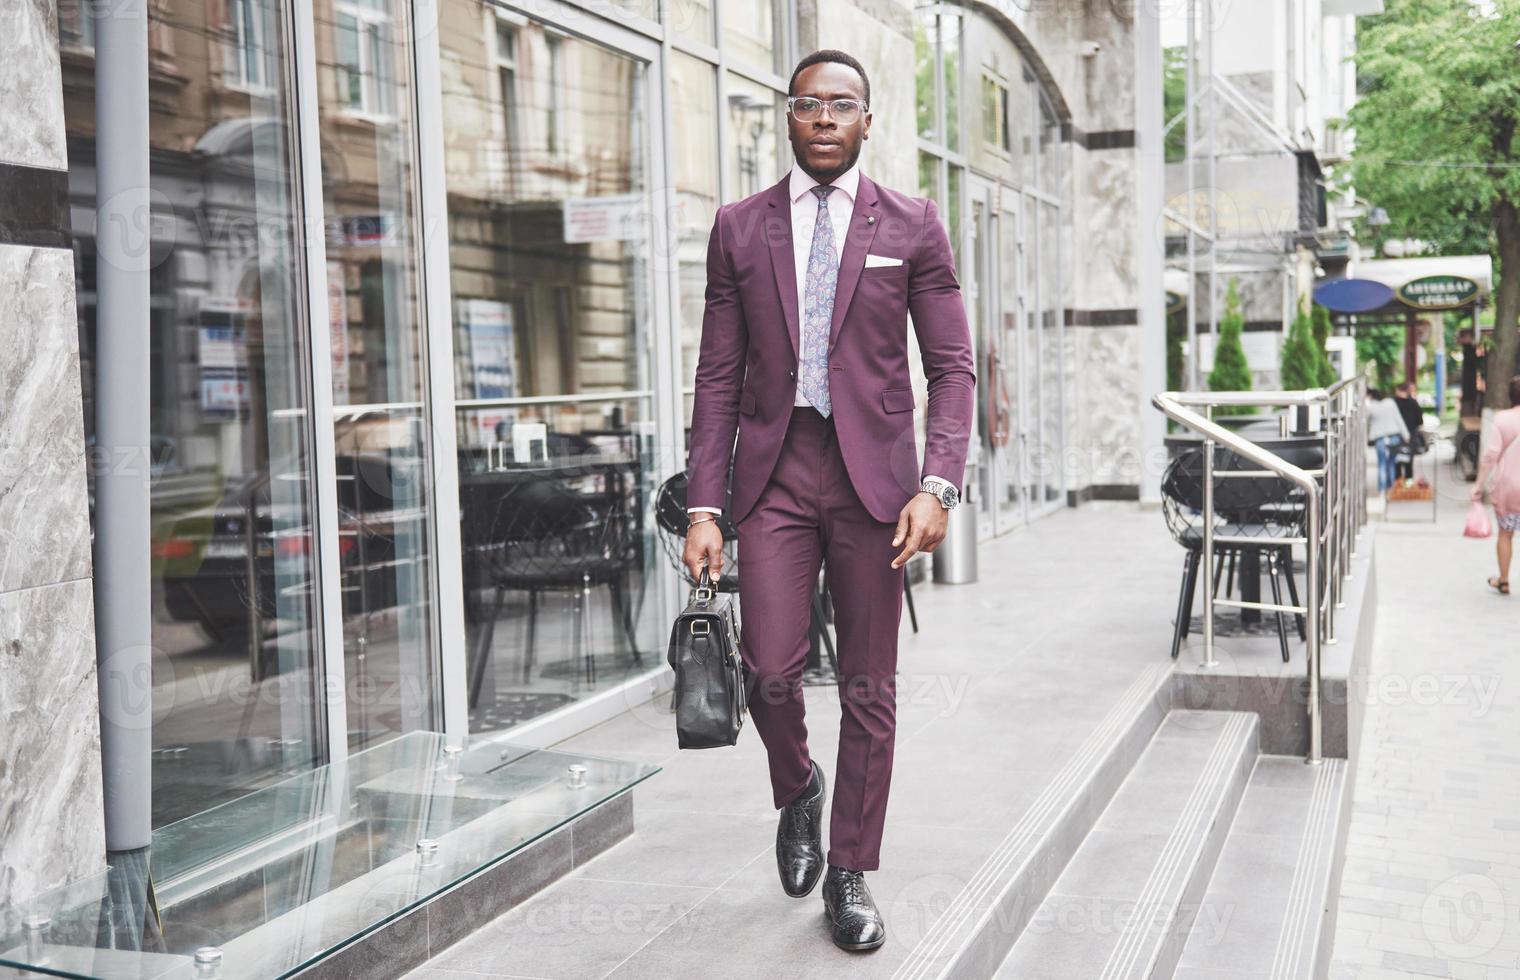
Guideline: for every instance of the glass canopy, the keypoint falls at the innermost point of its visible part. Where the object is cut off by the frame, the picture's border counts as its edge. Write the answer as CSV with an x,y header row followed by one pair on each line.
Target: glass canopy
x,y
268,884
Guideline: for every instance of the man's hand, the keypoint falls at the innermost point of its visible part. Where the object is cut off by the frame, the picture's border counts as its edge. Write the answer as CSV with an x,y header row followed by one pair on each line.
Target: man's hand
x,y
704,546
920,527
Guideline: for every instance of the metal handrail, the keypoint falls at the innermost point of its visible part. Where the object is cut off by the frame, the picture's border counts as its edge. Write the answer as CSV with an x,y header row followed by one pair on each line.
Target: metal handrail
x,y
1329,538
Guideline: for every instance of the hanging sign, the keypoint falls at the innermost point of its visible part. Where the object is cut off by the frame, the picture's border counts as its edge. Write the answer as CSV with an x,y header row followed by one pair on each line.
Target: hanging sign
x,y
1438,292
610,218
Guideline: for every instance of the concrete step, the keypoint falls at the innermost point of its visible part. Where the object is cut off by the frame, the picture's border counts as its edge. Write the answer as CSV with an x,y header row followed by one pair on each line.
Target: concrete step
x,y
1267,904
1123,907
972,933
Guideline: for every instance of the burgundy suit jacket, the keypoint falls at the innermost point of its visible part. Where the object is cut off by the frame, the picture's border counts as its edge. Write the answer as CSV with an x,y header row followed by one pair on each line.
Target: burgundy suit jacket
x,y
747,369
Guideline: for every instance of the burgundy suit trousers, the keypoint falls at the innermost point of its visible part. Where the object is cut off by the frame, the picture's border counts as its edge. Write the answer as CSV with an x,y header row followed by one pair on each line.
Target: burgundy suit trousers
x,y
807,514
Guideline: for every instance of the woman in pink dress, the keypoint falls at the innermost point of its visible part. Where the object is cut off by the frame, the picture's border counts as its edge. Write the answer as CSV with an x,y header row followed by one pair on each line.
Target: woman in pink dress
x,y
1502,462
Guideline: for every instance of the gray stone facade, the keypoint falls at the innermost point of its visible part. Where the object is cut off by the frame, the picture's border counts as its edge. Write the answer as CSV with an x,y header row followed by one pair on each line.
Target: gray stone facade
x,y
50,781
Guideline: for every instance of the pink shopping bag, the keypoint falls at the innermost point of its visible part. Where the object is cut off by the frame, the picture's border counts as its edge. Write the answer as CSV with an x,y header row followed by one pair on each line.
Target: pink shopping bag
x,y
1477,525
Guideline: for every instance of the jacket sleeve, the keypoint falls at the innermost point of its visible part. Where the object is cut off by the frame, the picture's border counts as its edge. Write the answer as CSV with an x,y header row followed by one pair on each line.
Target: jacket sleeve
x,y
720,377
944,342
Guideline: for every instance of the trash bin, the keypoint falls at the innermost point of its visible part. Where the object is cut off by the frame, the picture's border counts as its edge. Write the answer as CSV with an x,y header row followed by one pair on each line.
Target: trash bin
x,y
955,558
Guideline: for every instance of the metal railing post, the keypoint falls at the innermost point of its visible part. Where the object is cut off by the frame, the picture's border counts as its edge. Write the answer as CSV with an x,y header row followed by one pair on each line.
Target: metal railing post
x,y
1311,589
1335,510
1208,553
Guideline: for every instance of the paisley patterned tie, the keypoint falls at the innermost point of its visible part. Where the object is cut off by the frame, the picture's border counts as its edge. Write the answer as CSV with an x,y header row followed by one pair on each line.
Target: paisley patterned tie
x,y
818,308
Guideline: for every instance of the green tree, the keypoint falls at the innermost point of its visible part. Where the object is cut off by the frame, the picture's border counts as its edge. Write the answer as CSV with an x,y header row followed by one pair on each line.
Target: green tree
x,y
1174,100
1176,336
1436,141
1300,368
1383,347
1231,372
1327,375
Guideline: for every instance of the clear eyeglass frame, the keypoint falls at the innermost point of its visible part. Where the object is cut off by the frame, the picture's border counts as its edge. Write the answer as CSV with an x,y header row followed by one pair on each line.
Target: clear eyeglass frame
x,y
805,108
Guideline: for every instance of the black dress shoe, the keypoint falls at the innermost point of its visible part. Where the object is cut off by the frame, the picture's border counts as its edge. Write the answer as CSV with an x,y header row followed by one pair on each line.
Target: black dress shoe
x,y
852,911
799,839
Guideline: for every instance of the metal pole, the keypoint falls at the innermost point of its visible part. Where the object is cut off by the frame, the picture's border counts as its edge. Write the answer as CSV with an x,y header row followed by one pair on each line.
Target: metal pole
x,y
123,599
1333,517
1208,553
1213,118
1194,371
1311,591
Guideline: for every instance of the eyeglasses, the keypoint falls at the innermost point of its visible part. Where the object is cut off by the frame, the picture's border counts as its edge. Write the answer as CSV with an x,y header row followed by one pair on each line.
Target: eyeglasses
x,y
805,108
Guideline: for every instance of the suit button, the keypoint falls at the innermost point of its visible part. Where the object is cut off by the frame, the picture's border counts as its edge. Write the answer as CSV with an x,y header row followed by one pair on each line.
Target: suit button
x,y
791,375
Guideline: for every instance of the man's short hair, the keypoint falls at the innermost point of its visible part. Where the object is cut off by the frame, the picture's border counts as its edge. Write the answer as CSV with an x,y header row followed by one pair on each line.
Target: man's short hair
x,y
1514,390
838,57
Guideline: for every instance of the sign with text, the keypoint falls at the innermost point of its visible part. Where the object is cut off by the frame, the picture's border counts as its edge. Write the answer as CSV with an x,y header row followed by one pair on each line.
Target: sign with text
x,y
1438,292
610,218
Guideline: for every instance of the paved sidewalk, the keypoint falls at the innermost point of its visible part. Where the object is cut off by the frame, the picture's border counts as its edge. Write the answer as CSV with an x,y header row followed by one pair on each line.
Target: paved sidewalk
x,y
1001,689
1432,875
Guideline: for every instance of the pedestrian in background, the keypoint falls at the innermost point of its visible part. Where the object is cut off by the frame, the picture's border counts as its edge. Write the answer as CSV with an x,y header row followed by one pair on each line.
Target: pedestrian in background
x,y
1385,430
1501,462
1414,420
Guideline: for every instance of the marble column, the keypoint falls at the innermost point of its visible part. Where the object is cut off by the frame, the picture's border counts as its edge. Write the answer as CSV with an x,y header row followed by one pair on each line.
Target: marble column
x,y
51,829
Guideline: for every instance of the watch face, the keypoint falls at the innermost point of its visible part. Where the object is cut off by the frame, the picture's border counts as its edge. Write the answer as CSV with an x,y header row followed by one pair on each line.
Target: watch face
x,y
949,496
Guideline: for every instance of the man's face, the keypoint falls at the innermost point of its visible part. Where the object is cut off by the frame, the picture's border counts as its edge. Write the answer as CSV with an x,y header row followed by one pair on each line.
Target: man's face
x,y
825,147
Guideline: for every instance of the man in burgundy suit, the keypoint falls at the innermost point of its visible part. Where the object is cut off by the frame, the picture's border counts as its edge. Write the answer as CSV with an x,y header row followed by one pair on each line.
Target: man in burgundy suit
x,y
810,287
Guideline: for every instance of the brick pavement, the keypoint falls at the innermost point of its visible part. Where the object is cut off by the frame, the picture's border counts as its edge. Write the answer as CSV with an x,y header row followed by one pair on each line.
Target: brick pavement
x,y
1432,875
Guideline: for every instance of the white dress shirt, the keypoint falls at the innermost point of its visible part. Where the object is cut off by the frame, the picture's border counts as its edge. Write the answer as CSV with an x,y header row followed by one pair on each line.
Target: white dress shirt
x,y
804,220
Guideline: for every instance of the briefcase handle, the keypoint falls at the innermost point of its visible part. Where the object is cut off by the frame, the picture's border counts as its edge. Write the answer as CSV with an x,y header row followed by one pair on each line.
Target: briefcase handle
x,y
705,591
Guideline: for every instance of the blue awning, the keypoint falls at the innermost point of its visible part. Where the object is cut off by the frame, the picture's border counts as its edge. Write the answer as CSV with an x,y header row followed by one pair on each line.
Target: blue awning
x,y
1352,295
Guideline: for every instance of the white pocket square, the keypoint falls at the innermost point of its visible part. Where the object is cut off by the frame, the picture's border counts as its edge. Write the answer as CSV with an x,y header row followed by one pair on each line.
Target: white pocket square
x,y
877,261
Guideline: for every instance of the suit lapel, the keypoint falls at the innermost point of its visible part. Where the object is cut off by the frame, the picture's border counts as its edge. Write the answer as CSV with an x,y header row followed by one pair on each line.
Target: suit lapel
x,y
852,259
778,235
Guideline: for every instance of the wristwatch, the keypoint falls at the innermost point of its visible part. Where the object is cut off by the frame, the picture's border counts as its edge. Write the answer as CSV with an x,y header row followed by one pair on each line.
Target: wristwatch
x,y
946,493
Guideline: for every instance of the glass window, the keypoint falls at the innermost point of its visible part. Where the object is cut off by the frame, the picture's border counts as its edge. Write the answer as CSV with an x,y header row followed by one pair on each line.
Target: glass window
x,y
926,85
237,678
756,133
994,113
551,287
928,175
378,372
694,106
364,57
952,210
252,60
1050,148
754,33
76,24
693,18
950,43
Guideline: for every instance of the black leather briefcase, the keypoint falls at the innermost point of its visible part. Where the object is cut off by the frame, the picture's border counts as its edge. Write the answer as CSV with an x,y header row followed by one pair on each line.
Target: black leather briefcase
x,y
704,652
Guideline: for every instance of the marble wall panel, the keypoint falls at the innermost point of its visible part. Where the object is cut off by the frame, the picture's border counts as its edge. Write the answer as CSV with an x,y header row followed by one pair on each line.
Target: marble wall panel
x,y
44,516
1105,241
1105,435
31,86
51,829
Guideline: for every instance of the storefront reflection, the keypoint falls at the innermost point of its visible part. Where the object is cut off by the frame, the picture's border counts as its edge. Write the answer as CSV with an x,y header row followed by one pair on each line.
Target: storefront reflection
x,y
548,137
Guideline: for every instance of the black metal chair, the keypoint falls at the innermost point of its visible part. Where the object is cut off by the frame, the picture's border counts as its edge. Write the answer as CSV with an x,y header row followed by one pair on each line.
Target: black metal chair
x,y
670,515
1267,508
547,538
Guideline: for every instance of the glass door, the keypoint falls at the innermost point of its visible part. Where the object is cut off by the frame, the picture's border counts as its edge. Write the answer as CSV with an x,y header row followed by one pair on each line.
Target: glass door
x,y
1013,313
1000,496
375,322
550,138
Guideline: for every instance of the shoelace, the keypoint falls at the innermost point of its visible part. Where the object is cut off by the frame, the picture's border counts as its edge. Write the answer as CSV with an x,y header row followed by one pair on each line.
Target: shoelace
x,y
852,888
798,821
